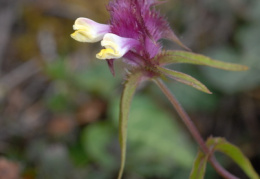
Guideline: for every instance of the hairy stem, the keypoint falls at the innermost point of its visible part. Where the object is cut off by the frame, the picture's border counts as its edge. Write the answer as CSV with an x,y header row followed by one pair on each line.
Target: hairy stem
x,y
193,130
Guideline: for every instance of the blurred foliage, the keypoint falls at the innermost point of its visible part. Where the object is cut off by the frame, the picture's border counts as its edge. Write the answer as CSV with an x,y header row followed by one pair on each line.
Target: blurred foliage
x,y
62,121
148,128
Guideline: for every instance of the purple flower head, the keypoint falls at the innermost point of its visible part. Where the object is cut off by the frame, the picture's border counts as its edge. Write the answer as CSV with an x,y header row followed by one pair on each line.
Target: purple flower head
x,y
137,19
133,32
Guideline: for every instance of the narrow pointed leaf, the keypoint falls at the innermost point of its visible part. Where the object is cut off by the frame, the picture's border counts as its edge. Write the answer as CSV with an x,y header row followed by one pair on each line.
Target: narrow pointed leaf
x,y
199,166
184,78
169,57
126,98
173,37
221,145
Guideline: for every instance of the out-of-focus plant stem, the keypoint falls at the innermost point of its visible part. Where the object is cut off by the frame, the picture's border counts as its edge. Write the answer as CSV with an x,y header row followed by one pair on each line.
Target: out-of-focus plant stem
x,y
193,130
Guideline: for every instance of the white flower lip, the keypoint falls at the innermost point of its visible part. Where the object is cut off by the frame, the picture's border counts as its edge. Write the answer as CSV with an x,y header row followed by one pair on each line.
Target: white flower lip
x,y
87,30
115,46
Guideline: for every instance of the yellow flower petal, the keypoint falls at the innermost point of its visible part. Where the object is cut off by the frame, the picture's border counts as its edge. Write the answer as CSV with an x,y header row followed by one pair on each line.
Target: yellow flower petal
x,y
87,30
107,54
82,36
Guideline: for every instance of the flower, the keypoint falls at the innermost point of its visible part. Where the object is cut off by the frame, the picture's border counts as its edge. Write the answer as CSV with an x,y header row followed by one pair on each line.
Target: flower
x,y
115,46
133,32
87,30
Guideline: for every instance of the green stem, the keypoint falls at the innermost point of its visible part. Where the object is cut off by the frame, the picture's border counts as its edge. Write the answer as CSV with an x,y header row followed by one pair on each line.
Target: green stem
x,y
193,130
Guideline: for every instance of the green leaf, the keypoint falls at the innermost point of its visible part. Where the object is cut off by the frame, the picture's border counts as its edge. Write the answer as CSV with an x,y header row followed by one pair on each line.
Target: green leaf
x,y
169,57
220,144
199,166
238,81
126,98
184,78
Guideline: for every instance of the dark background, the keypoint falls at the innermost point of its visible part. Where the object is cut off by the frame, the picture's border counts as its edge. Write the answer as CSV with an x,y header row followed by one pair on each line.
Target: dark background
x,y
59,105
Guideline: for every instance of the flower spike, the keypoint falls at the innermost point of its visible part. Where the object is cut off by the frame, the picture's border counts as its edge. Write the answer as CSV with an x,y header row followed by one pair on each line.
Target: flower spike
x,y
115,46
87,30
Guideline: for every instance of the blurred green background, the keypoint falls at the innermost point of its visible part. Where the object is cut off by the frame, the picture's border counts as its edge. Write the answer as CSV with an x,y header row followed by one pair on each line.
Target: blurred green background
x,y
59,105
